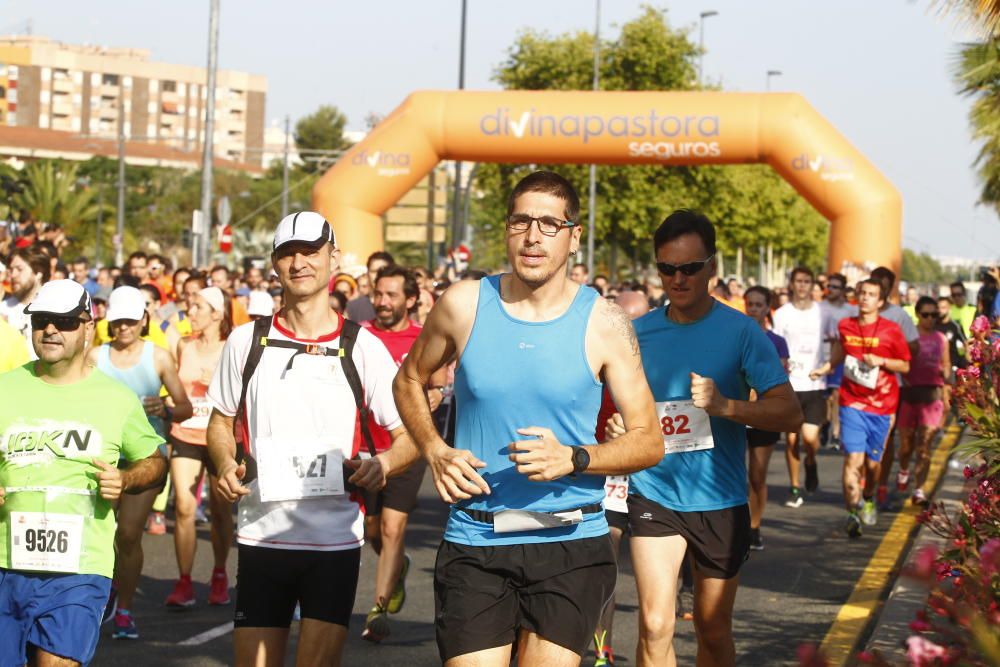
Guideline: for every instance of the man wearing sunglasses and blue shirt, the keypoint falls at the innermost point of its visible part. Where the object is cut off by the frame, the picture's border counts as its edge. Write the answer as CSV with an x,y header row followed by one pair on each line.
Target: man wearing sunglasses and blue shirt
x,y
526,555
63,426
702,359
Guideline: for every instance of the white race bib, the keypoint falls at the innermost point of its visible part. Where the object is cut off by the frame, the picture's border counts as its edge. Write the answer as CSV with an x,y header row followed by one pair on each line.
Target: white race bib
x,y
295,468
46,542
202,411
861,373
684,427
616,493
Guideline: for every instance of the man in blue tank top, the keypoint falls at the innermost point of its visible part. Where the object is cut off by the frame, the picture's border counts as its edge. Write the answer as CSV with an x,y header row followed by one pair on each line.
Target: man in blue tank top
x,y
526,553
701,359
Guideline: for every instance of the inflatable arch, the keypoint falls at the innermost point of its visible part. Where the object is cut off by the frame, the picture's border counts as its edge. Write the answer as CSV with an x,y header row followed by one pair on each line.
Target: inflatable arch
x,y
668,128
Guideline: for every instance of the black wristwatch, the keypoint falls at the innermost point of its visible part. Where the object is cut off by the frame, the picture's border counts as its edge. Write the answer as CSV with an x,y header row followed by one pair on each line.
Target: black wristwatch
x,y
581,459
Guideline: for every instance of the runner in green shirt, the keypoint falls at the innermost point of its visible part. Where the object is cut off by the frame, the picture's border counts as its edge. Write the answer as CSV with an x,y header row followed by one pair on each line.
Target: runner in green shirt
x,y
63,427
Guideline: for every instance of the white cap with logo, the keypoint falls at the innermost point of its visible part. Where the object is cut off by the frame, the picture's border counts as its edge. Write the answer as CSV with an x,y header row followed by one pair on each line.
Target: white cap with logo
x,y
125,303
261,304
304,227
60,297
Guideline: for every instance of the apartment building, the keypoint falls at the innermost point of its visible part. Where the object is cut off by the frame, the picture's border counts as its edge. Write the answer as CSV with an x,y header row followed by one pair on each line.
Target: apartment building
x,y
92,91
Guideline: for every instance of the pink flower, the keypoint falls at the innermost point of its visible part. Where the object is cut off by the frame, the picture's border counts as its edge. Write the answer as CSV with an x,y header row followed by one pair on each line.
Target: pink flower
x,y
923,564
975,353
980,325
920,626
922,652
809,656
972,372
989,556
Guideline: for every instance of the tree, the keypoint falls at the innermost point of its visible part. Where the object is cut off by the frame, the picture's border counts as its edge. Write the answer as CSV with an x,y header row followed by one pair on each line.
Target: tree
x,y
321,130
53,192
922,269
753,205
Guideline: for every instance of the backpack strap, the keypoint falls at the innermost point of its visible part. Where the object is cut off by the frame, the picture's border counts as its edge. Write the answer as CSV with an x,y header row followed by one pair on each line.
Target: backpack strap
x,y
258,341
348,337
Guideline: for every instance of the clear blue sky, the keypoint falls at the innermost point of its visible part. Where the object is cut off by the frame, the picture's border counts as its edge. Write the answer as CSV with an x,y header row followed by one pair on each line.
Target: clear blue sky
x,y
878,70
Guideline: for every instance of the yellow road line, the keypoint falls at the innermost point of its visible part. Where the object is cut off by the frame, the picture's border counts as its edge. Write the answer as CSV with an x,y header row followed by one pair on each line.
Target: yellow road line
x,y
852,619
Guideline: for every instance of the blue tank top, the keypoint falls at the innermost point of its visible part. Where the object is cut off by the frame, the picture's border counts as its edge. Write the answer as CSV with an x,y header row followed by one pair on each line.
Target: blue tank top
x,y
141,378
514,374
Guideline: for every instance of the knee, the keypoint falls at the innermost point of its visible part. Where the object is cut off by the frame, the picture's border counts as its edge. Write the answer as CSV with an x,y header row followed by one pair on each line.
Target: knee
x,y
393,531
184,506
657,627
758,481
128,538
714,629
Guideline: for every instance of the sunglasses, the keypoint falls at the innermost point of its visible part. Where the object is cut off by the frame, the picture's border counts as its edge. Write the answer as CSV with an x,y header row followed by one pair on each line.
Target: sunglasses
x,y
547,224
60,322
834,286
688,269
124,323
928,314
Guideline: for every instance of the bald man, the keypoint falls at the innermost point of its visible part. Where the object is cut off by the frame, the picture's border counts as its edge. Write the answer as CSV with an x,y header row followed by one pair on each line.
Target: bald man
x,y
635,304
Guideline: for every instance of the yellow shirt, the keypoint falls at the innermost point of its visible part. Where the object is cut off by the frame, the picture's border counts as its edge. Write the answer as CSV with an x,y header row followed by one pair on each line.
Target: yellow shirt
x,y
156,336
13,347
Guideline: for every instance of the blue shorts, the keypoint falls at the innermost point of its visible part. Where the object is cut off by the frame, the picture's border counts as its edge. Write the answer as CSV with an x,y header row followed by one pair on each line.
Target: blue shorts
x,y
58,613
863,432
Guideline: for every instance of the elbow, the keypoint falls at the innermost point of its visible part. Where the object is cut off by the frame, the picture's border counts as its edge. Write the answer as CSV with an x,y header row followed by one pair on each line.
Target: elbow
x,y
183,411
652,452
794,418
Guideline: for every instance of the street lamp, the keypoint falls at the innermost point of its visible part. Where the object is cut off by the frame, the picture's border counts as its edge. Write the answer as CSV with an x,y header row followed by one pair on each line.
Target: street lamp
x,y
457,232
592,214
701,41
770,73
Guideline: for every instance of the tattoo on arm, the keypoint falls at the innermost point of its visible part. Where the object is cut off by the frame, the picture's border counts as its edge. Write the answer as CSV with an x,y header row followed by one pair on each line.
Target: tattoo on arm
x,y
620,322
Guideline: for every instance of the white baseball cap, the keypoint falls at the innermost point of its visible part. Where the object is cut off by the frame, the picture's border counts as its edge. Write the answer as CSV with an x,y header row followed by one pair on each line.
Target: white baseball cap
x,y
304,227
261,304
60,297
125,303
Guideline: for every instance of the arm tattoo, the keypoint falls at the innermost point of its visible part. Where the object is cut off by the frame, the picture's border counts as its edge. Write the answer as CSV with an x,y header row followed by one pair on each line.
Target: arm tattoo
x,y
620,323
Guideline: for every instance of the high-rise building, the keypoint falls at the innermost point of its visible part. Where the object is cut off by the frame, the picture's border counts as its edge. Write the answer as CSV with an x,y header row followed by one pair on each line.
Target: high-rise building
x,y
93,91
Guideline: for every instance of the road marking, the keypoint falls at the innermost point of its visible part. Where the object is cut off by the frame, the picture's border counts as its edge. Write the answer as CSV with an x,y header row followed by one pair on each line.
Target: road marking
x,y
208,635
854,616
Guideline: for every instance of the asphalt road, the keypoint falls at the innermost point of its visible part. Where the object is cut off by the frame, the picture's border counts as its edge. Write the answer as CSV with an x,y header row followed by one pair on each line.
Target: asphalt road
x,y
789,593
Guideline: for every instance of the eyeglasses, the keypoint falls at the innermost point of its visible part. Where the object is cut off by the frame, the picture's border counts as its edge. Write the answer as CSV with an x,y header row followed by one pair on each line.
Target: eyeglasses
x,y
928,313
547,224
61,322
834,286
688,269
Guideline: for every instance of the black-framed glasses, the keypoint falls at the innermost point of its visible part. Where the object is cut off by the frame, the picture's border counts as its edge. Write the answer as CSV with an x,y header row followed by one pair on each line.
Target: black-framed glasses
x,y
547,224
928,313
41,322
688,269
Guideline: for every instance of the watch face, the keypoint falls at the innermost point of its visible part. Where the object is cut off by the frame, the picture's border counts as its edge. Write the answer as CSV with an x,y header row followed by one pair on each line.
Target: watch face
x,y
581,459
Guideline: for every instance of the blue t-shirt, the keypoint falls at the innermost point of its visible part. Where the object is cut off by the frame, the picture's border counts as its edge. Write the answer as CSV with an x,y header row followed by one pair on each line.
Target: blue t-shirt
x,y
730,348
780,344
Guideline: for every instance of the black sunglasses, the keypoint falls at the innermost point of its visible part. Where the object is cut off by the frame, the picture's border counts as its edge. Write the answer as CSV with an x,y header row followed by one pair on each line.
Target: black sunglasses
x,y
928,313
688,269
60,322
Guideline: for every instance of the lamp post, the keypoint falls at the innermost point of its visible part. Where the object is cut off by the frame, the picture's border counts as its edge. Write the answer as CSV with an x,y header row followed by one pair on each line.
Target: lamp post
x,y
592,216
202,241
770,73
701,41
456,201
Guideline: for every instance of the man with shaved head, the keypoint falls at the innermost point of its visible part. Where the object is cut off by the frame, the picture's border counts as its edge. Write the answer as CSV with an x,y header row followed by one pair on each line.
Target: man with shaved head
x,y
635,304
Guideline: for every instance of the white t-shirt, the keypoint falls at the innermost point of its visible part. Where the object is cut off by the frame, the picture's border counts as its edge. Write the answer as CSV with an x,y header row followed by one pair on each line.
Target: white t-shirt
x,y
12,310
311,403
806,332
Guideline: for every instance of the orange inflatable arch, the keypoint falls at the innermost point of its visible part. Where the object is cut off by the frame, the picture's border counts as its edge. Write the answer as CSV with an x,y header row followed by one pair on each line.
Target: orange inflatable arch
x,y
671,128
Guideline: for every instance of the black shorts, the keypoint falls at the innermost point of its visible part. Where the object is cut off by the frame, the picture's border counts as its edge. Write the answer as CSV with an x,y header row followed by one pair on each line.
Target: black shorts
x,y
400,492
617,520
758,438
813,405
269,582
484,595
185,450
719,540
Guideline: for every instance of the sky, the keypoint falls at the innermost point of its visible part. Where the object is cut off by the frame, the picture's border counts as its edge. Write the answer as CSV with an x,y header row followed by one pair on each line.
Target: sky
x,y
879,71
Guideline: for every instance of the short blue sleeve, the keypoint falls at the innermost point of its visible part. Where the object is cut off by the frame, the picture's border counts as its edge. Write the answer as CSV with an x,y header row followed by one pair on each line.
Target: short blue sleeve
x,y
780,345
761,365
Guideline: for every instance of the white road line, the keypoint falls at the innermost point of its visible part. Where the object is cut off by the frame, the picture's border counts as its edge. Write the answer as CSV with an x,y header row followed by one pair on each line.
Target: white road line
x,y
208,635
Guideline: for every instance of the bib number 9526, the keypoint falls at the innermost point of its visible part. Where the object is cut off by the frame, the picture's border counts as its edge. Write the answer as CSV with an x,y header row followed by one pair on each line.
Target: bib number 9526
x,y
45,541
50,541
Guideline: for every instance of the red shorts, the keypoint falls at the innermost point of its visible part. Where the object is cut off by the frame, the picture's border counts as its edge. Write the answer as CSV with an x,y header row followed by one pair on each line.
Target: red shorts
x,y
912,415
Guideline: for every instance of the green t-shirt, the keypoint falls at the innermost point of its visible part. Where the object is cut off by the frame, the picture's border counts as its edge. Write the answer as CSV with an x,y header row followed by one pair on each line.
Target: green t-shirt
x,y
53,518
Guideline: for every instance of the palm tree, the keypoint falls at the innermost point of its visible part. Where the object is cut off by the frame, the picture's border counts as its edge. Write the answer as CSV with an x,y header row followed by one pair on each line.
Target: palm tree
x,y
51,193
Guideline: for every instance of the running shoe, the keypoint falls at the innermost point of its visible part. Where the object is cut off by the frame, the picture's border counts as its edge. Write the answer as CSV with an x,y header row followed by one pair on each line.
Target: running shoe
x,y
835,443
852,525
920,498
902,480
685,604
111,606
182,596
398,597
795,498
605,656
376,625
812,478
219,595
124,627
882,496
756,543
156,524
869,515
200,518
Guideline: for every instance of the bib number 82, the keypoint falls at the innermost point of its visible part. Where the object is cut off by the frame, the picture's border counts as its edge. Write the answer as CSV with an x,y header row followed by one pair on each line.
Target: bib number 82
x,y
46,541
674,425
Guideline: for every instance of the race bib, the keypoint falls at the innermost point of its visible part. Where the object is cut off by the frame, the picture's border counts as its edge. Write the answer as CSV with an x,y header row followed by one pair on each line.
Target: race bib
x,y
202,411
46,542
684,427
860,373
292,469
616,494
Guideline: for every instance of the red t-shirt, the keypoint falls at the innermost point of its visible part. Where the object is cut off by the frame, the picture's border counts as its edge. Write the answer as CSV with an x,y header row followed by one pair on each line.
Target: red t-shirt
x,y
882,338
398,343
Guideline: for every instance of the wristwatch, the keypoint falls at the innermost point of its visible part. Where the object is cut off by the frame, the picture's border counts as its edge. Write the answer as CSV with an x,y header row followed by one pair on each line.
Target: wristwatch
x,y
581,459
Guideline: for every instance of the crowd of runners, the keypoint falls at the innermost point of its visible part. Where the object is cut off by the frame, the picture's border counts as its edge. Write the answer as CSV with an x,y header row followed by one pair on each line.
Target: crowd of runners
x,y
553,410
